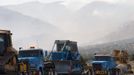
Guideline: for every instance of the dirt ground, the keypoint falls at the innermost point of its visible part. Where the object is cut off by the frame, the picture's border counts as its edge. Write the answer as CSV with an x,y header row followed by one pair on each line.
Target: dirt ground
x,y
9,73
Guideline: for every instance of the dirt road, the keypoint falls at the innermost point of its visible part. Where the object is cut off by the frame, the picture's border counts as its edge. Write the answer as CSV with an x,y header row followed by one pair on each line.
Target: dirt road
x,y
9,73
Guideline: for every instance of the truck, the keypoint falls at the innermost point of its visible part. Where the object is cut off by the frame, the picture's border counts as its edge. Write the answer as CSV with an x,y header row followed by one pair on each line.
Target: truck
x,y
8,54
104,64
66,58
31,61
115,63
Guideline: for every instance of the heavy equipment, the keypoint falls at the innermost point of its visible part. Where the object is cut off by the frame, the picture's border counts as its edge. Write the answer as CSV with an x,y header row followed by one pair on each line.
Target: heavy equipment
x,y
115,63
66,58
122,61
8,55
103,64
31,61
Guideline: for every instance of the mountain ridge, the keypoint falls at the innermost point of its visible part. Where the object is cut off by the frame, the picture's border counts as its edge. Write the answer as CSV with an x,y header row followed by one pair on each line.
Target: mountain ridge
x,y
23,27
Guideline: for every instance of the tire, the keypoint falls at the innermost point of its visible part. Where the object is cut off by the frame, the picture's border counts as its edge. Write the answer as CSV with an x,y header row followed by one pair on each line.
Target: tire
x,y
90,72
41,71
109,72
23,74
52,72
55,73
117,71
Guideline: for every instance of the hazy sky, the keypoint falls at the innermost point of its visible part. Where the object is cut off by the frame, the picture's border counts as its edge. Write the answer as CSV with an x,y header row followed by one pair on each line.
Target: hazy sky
x,y
107,14
66,2
71,4
5,2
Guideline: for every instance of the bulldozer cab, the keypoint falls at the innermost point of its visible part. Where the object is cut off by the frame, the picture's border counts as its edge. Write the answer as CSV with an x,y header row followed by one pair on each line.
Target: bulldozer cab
x,y
8,55
5,41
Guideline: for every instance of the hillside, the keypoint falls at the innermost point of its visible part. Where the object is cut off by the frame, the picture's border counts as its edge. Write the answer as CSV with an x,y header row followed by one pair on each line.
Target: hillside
x,y
124,32
26,28
54,13
127,44
98,21
95,20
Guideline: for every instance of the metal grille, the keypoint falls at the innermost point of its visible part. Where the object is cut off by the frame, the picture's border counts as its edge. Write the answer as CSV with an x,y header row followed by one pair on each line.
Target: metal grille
x,y
97,66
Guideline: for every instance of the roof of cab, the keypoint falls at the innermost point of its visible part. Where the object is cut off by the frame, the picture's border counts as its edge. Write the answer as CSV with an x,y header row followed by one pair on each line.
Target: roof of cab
x,y
5,32
39,49
102,55
63,41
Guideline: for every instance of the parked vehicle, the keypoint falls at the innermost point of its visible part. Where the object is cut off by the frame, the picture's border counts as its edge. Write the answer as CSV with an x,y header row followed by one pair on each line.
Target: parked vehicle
x,y
104,65
111,64
8,55
31,61
66,58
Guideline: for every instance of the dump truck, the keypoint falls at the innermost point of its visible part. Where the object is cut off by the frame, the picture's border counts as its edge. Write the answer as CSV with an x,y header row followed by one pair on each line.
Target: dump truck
x,y
8,55
31,61
65,58
111,64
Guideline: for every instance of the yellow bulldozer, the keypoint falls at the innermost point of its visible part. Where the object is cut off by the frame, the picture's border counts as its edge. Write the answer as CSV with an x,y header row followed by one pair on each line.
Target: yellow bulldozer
x,y
121,58
8,55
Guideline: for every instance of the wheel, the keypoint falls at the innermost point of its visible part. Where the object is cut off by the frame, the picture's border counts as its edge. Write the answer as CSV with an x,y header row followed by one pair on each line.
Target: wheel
x,y
109,72
90,72
117,71
41,71
55,73
51,72
23,73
